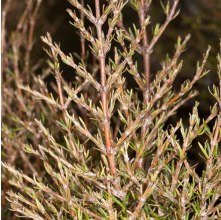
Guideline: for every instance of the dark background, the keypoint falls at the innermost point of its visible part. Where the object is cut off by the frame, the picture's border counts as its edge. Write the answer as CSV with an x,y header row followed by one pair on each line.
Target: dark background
x,y
200,18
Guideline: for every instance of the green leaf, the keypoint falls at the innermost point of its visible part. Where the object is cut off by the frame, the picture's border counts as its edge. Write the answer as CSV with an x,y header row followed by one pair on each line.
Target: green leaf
x,y
167,168
127,198
183,131
203,150
10,72
102,212
162,5
62,123
215,151
207,128
81,120
68,144
180,150
113,64
42,118
201,131
196,208
157,29
118,202
122,117
147,153
134,5
65,61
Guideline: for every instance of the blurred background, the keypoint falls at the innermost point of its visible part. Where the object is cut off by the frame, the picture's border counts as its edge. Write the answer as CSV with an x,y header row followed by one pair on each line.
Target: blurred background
x,y
200,18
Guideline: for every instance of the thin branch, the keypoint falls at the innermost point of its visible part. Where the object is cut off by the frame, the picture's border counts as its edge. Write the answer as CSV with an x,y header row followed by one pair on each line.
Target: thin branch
x,y
102,54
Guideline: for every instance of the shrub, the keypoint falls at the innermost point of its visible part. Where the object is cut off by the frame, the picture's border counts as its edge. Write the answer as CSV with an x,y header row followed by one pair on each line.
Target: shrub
x,y
99,149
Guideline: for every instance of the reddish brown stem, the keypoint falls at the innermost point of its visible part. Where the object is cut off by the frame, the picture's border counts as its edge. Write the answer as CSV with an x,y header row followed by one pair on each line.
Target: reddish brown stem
x,y
30,40
110,155
17,78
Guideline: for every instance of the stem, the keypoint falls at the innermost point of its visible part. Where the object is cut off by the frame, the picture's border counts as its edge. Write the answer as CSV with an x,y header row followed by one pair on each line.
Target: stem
x,y
146,56
4,12
102,54
17,78
30,40
58,80
146,61
83,55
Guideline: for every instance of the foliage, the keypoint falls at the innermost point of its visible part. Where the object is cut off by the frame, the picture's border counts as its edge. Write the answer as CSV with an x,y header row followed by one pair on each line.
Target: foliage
x,y
94,148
